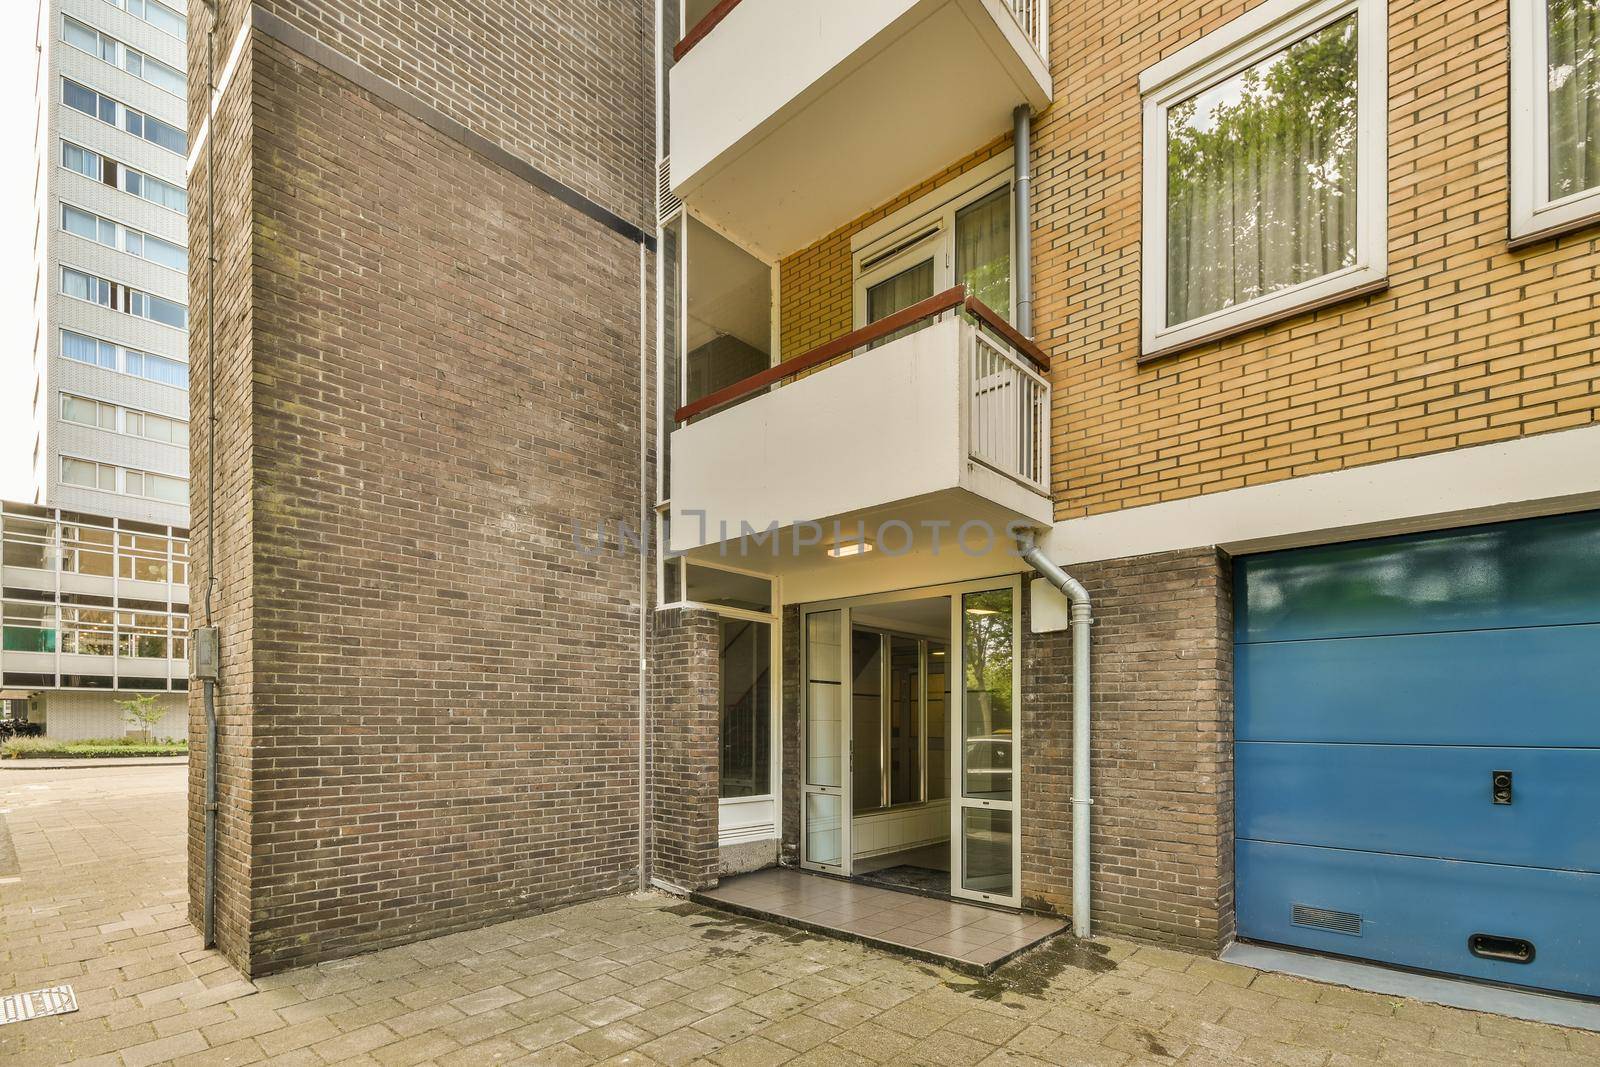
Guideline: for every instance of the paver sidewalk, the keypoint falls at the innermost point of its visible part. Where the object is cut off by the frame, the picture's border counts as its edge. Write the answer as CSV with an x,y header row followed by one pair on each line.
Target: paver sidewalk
x,y
632,980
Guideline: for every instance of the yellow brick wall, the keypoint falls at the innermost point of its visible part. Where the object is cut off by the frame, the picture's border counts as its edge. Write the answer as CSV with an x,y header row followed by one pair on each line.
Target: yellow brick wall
x,y
814,285
1470,343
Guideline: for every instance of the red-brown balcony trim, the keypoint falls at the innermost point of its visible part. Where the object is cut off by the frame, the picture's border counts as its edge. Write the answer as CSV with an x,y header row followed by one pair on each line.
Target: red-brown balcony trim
x,y
935,305
698,31
990,318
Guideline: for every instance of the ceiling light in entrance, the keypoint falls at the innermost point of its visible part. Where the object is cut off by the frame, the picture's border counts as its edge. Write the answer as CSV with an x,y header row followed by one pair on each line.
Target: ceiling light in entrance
x,y
849,548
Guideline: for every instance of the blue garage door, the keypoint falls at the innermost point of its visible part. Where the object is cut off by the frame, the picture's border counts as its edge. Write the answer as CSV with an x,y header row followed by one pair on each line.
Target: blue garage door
x,y
1418,751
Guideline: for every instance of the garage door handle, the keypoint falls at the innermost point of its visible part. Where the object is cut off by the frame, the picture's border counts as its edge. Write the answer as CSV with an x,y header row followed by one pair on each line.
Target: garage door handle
x,y
1505,949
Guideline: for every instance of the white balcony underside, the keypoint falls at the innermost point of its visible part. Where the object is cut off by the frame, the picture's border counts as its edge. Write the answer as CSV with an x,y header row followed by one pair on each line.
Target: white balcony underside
x,y
886,435
789,120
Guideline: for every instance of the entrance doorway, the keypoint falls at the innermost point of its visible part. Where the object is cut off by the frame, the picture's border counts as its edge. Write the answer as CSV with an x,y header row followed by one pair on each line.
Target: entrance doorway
x,y
910,759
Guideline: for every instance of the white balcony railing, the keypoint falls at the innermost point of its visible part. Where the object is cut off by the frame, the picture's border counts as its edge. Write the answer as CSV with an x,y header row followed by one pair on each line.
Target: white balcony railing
x,y
1034,17
938,411
1008,413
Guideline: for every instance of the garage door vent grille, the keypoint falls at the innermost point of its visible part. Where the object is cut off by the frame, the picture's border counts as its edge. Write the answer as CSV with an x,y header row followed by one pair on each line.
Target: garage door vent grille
x,y
1340,922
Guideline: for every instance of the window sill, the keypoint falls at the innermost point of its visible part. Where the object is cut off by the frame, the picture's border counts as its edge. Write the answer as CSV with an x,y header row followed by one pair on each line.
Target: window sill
x,y
1223,333
733,802
1517,242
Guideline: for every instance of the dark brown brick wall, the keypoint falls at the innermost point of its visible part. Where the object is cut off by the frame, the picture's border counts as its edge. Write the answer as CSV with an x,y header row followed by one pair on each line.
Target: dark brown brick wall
x,y
233,591
684,726
433,372
1162,747
568,86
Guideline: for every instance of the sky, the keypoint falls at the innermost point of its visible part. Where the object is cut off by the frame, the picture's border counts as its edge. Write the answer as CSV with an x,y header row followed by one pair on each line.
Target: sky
x,y
17,65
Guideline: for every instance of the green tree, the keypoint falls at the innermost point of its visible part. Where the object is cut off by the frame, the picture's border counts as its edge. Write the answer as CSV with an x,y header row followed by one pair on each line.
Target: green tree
x,y
144,712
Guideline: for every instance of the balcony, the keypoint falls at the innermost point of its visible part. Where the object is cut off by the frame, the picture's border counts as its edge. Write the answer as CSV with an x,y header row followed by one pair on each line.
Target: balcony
x,y
789,119
939,413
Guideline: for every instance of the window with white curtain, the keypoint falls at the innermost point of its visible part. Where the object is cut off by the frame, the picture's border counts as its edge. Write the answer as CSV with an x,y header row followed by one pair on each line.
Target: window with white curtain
x,y
1264,170
959,234
983,249
1555,116
97,353
156,14
115,235
98,105
88,474
87,163
111,172
88,39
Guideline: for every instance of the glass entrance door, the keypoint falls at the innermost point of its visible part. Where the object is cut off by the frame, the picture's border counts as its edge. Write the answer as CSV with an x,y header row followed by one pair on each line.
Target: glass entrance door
x,y
985,841
825,768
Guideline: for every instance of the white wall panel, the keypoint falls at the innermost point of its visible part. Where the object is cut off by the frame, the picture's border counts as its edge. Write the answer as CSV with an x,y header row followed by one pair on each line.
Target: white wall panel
x,y
82,716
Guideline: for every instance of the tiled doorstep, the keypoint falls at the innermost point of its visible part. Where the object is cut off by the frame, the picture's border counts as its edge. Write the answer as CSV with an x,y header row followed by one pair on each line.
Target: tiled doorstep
x,y
970,938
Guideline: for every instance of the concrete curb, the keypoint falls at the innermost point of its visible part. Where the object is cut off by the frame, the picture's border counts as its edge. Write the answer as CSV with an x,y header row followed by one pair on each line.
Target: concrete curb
x,y
89,764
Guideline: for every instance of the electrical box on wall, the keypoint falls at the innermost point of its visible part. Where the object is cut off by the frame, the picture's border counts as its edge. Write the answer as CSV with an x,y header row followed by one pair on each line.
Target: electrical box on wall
x,y
1048,608
203,657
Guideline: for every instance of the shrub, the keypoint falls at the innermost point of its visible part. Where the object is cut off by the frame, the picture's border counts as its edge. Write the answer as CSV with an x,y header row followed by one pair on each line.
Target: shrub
x,y
23,747
18,728
54,748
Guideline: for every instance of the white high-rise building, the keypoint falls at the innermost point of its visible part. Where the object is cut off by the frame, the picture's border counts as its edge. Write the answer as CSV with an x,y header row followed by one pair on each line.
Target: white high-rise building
x,y
111,400
111,353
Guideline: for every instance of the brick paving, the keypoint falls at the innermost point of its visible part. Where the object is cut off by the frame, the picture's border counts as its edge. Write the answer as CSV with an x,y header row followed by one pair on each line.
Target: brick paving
x,y
627,980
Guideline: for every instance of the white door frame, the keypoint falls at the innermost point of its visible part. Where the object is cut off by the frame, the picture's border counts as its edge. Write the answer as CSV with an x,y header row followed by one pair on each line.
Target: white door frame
x,y
959,803
842,790
954,729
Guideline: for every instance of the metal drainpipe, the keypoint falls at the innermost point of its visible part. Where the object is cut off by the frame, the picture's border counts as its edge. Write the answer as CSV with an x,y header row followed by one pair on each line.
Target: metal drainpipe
x,y
209,922
1022,164
1082,620
1076,594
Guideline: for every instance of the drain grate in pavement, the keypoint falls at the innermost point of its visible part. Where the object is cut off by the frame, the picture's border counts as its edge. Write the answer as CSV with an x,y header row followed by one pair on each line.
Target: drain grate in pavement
x,y
20,1007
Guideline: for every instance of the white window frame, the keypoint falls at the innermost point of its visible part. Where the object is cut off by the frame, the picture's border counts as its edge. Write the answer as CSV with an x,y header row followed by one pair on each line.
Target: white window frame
x,y
1534,215
121,477
123,417
666,558
121,51
116,474
123,233
935,214
122,111
758,818
123,170
121,364
183,16
129,296
1216,57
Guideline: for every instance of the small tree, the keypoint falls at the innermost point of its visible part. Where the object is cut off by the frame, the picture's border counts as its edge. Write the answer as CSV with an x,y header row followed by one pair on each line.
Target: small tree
x,y
144,712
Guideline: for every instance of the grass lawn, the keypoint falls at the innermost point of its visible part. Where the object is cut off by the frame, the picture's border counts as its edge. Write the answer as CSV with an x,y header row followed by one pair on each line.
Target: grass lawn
x,y
49,748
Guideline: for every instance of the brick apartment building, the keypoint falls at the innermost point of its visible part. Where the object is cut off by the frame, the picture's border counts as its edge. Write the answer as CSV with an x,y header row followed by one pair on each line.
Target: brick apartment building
x,y
1284,349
